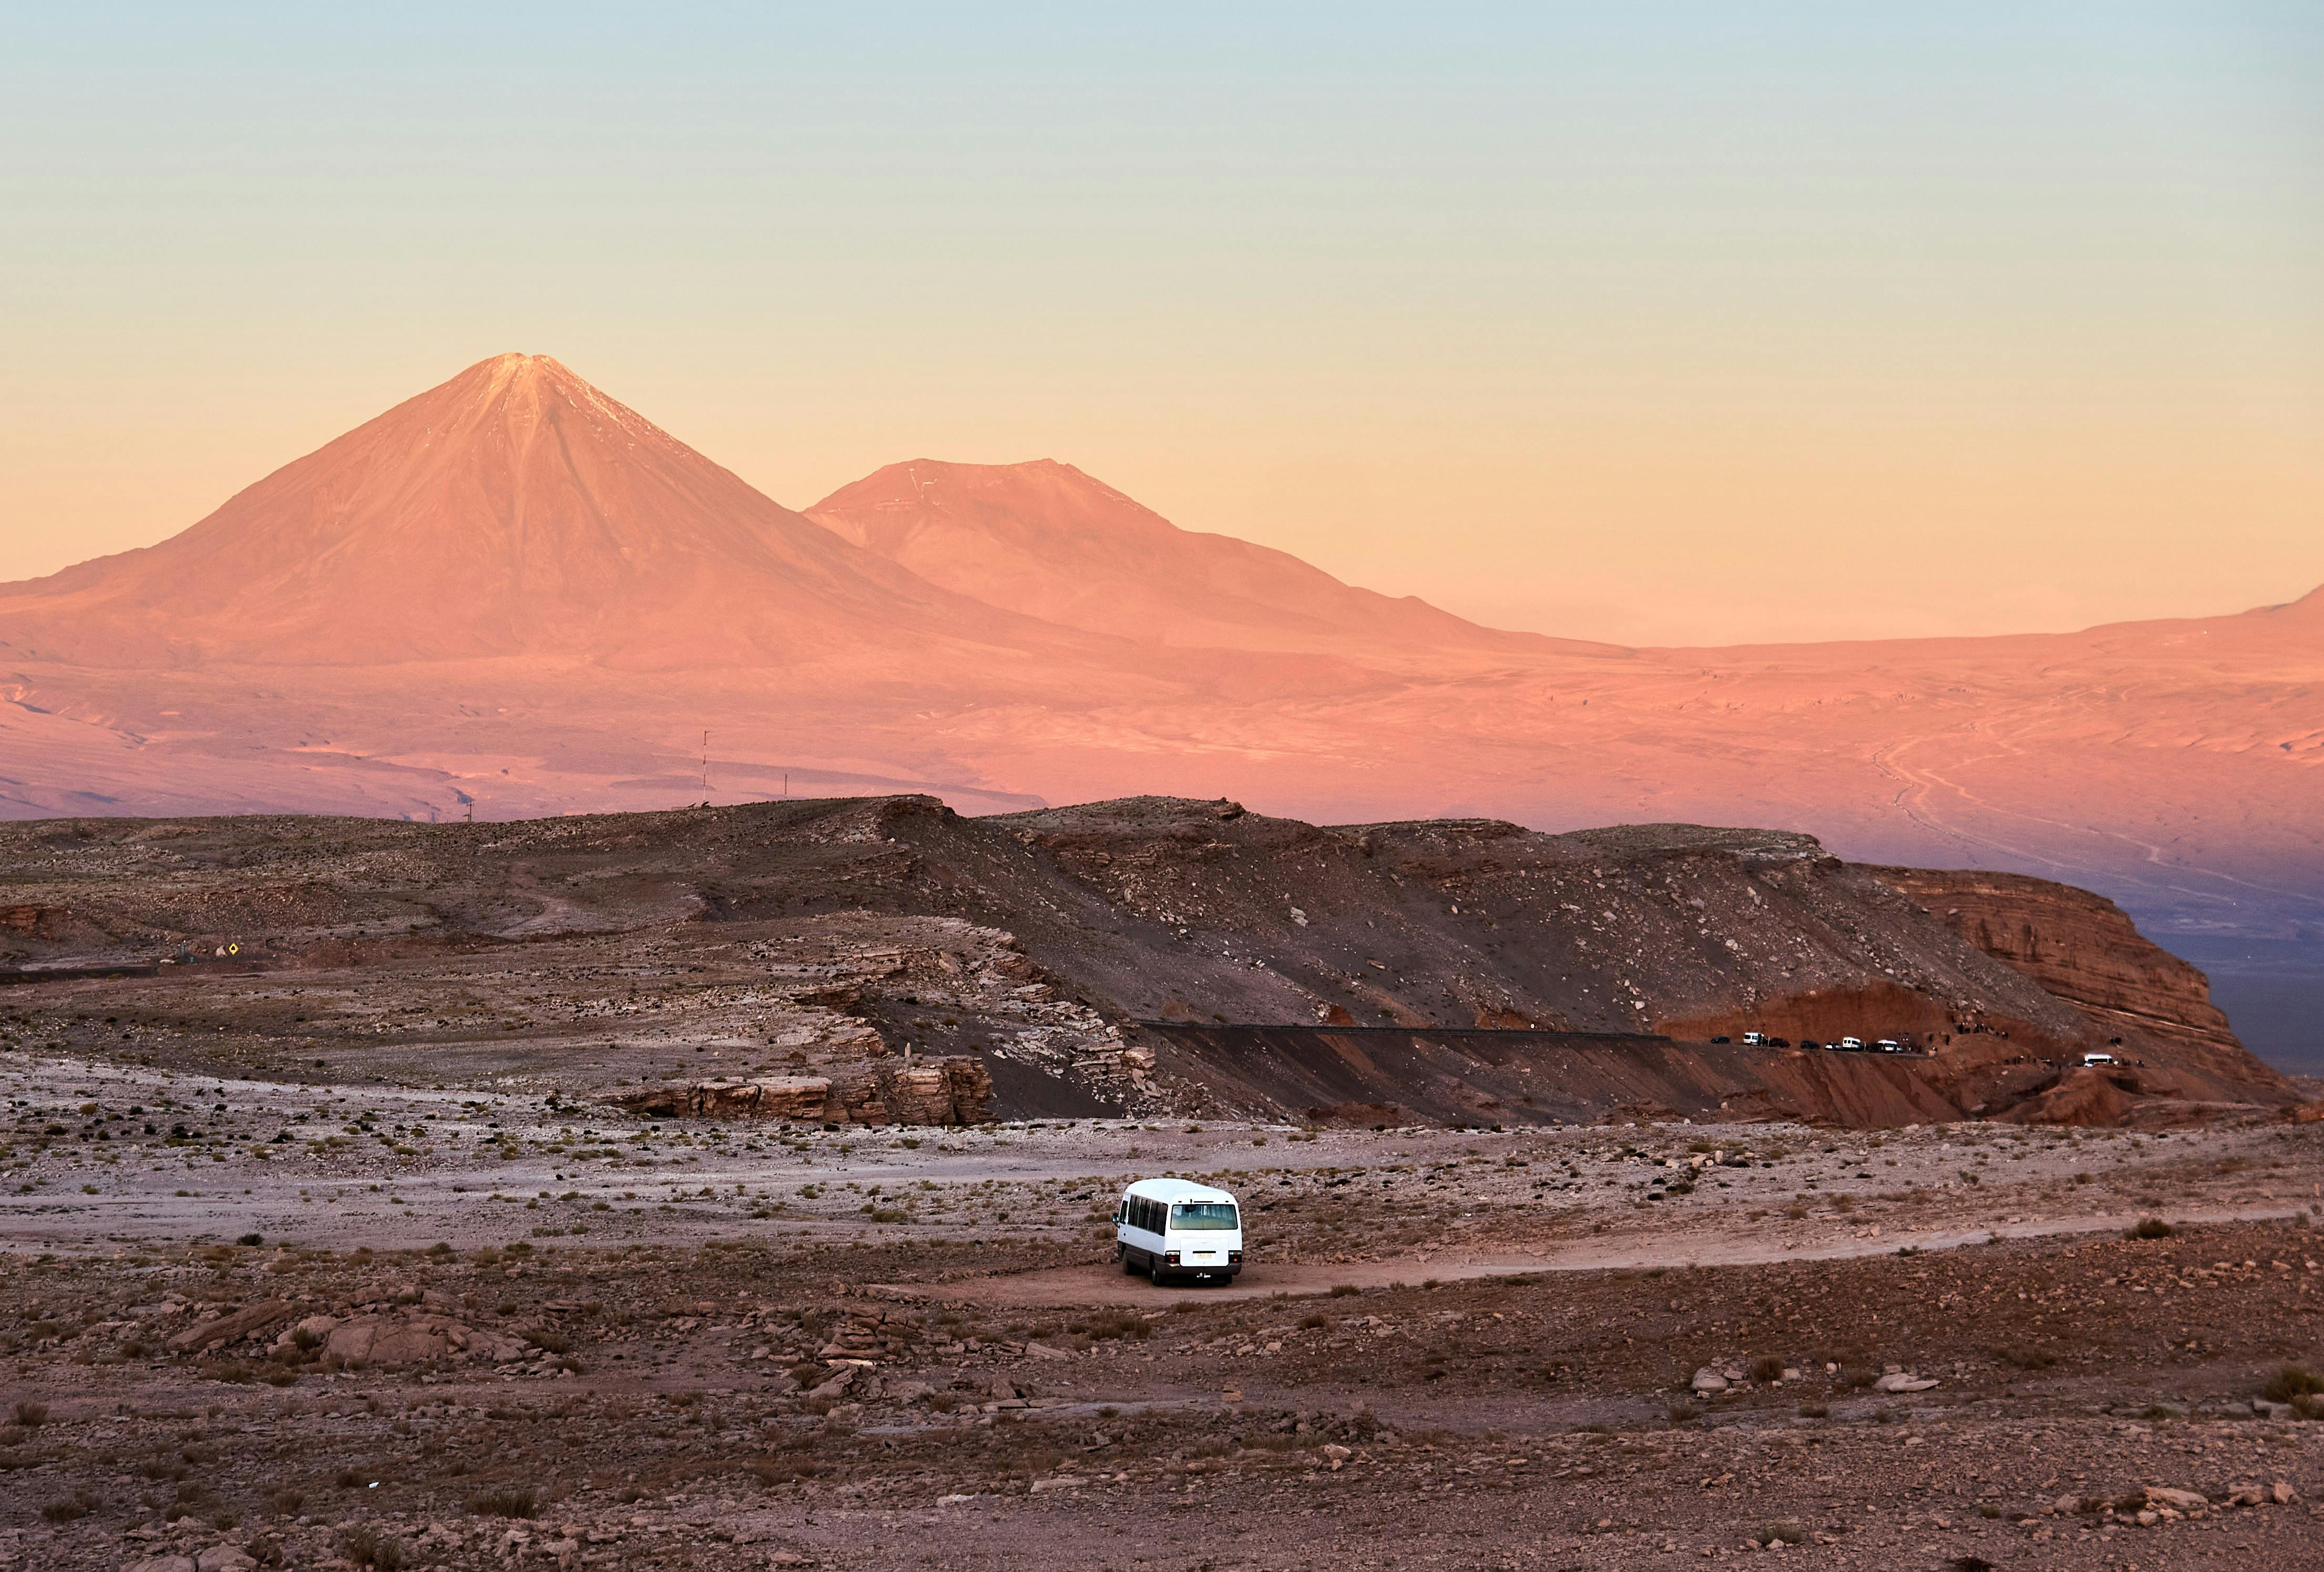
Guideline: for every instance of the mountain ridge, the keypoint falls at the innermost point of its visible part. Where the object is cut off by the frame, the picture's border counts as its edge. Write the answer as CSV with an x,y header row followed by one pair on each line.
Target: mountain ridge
x,y
514,595
1048,539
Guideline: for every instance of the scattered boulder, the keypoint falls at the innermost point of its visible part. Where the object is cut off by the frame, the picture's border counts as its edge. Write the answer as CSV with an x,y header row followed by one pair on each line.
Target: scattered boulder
x,y
868,1332
1708,1380
162,1564
2178,1500
246,1322
417,1338
836,1386
1903,1381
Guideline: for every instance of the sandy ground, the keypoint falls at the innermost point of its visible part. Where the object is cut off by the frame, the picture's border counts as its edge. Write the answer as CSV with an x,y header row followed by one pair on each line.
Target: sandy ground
x,y
691,1345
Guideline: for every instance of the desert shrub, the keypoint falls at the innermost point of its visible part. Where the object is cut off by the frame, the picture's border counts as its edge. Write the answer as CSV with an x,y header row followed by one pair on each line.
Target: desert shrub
x,y
285,1502
1767,1367
30,1416
506,1501
1682,1412
2292,1382
1815,1410
367,1547
66,1509
785,1468
251,1239
550,1342
1341,1290
1779,1533
2151,1228
1315,1323
1857,1377
1116,1324
2029,1356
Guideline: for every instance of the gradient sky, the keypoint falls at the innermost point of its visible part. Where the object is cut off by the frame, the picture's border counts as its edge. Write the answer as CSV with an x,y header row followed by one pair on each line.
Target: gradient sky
x,y
1661,323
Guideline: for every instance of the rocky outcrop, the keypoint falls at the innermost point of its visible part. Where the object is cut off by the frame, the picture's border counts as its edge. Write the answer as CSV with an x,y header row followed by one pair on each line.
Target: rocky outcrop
x,y
217,1331
2084,949
955,1090
398,1339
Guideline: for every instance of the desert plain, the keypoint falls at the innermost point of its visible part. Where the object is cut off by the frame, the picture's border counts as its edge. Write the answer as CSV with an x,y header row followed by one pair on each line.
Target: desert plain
x,y
732,1190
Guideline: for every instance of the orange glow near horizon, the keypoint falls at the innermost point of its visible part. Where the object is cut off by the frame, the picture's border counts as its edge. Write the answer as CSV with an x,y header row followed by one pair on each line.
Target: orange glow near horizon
x,y
1797,328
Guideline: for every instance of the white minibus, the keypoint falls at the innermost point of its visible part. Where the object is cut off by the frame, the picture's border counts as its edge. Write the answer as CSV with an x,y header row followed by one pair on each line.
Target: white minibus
x,y
1172,1228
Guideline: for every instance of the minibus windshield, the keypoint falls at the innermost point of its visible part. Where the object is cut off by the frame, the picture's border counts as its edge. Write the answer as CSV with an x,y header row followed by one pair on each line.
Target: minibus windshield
x,y
1203,1215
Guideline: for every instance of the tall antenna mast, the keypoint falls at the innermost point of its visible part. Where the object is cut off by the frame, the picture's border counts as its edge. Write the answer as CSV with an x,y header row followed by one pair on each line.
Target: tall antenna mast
x,y
705,764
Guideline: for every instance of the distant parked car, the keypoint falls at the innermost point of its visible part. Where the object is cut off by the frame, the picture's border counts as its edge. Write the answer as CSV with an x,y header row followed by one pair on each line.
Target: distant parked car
x,y
2093,1059
1851,1045
1755,1040
1810,1042
1889,1045
1718,1040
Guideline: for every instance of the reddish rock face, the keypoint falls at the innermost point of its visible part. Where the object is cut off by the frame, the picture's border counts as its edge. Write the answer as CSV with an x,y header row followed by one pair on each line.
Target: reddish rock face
x,y
2083,948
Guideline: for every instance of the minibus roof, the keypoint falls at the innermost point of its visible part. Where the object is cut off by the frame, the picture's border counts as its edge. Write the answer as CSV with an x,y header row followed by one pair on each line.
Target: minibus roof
x,y
1175,1190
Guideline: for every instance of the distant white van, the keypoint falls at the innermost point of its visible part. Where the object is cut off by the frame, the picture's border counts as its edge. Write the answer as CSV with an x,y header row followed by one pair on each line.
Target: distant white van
x,y
2095,1059
1172,1228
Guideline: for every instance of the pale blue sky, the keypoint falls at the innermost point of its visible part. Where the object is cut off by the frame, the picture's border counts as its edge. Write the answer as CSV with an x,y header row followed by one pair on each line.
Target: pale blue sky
x,y
1606,321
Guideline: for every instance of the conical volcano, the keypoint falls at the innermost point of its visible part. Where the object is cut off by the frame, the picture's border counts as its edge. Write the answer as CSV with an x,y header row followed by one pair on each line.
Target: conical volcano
x,y
514,510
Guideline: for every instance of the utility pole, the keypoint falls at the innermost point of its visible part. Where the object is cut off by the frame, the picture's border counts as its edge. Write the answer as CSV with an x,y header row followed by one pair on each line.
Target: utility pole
x,y
706,767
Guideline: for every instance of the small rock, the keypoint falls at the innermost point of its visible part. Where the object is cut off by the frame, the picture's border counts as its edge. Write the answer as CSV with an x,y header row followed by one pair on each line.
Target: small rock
x,y
2182,1500
2282,1493
1903,1381
162,1564
1338,1454
1709,1380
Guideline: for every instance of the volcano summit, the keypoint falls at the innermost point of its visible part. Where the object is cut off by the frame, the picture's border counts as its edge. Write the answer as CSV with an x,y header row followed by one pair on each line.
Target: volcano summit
x,y
514,595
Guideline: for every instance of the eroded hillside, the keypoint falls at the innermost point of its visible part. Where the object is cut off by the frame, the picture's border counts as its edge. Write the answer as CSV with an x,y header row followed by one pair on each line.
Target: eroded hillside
x,y
804,943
